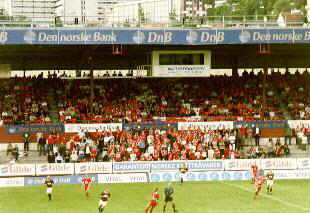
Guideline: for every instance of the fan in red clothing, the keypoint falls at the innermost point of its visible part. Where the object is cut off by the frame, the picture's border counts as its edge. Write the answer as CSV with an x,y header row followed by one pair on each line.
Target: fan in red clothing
x,y
258,185
86,181
254,169
153,202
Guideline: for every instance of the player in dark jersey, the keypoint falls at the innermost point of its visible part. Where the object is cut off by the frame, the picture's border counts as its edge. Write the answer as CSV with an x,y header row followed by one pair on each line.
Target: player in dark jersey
x,y
169,197
270,180
86,181
49,184
104,198
183,169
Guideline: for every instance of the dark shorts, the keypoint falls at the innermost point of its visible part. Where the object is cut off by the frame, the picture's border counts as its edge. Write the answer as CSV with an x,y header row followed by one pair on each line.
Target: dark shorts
x,y
168,199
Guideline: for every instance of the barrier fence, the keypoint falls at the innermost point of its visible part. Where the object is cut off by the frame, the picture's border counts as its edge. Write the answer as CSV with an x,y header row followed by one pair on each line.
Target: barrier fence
x,y
73,128
14,170
153,177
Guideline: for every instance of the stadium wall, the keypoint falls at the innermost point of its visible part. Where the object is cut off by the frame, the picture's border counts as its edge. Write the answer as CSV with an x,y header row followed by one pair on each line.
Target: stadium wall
x,y
152,177
268,129
152,167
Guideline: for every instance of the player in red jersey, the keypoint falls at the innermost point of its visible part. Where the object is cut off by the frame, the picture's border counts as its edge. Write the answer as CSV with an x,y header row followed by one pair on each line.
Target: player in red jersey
x,y
258,185
153,202
254,169
86,181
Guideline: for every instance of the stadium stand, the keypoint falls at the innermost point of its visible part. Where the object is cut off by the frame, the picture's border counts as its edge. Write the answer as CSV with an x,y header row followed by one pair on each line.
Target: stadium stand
x,y
140,100
27,100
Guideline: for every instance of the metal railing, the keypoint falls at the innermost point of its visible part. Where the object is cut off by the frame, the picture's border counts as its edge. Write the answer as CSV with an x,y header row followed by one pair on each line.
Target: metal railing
x,y
150,22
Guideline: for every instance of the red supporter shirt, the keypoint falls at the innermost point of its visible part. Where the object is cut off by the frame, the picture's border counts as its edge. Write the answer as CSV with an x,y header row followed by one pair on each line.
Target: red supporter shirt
x,y
93,153
50,140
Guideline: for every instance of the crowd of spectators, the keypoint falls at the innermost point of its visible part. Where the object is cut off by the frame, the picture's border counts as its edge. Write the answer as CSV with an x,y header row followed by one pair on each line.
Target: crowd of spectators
x,y
24,101
138,100
29,100
294,91
141,145
155,145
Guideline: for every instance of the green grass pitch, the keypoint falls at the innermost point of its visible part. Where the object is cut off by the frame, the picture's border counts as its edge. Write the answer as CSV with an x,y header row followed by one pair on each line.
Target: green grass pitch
x,y
290,196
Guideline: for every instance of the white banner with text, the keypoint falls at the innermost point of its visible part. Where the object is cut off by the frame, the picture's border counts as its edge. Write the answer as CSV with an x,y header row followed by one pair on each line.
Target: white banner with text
x,y
123,178
12,182
93,168
181,71
241,164
72,128
55,169
279,163
17,170
205,125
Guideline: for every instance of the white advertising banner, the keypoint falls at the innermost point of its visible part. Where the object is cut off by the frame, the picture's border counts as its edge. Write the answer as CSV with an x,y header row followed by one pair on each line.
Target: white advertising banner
x,y
93,168
279,163
241,164
17,170
303,163
206,125
55,169
123,178
70,128
292,174
180,70
12,182
298,123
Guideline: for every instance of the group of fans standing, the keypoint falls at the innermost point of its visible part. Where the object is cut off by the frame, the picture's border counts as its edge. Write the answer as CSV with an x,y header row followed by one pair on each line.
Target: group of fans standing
x,y
257,178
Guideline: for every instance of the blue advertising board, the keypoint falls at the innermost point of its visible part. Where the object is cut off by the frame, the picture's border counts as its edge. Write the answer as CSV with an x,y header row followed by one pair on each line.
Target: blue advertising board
x,y
44,128
200,176
76,179
131,167
167,166
65,36
192,165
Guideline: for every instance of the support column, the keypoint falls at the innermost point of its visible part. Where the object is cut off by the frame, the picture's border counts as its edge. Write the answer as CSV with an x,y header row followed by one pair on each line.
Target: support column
x,y
264,51
265,69
234,66
92,94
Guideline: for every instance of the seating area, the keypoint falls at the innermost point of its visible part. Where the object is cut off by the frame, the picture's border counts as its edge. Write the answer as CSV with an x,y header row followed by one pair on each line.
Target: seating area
x,y
140,100
24,101
28,100
155,145
145,145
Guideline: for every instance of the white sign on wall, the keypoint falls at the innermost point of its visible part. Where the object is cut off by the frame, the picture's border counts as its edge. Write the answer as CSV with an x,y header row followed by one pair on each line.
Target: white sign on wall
x,y
279,163
93,127
205,125
93,168
17,170
123,178
180,70
12,182
242,164
55,169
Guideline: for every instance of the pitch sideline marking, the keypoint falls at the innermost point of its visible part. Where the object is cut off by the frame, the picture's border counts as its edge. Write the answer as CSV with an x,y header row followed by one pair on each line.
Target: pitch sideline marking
x,y
271,197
